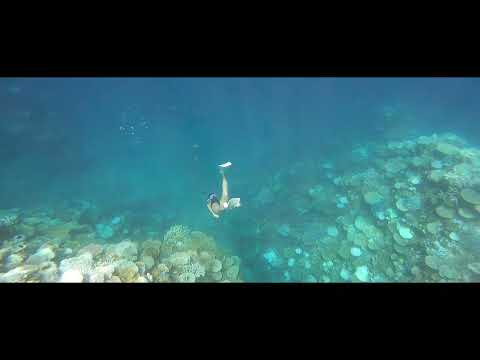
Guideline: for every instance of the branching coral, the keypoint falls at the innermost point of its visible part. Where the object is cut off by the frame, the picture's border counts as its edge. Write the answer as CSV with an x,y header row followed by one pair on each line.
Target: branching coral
x,y
175,239
195,268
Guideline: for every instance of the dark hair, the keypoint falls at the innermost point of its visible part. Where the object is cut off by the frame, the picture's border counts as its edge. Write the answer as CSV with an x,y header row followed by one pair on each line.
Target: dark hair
x,y
212,197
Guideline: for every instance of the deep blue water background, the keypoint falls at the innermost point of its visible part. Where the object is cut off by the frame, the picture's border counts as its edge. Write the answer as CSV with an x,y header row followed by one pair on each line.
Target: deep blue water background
x,y
62,138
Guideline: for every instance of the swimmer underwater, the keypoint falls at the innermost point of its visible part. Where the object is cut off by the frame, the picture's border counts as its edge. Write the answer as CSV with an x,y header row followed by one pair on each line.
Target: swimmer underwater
x,y
216,206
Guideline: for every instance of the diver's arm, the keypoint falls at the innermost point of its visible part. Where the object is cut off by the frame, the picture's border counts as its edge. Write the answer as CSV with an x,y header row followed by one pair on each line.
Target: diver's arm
x,y
211,211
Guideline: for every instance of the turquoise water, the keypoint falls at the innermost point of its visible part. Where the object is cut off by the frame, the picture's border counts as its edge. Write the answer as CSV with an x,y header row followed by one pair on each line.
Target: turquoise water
x,y
136,156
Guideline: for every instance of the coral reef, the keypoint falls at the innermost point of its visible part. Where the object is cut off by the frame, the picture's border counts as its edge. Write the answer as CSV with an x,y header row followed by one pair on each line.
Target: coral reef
x,y
59,251
409,214
407,210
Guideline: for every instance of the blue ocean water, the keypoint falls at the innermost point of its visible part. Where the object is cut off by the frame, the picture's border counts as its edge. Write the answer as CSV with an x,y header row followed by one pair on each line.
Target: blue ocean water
x,y
148,149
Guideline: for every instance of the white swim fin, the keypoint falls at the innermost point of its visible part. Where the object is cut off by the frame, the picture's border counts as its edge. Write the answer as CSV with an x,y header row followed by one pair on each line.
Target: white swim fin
x,y
234,203
225,165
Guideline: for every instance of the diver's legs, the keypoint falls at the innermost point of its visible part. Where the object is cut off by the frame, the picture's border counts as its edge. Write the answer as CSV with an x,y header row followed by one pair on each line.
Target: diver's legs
x,y
224,189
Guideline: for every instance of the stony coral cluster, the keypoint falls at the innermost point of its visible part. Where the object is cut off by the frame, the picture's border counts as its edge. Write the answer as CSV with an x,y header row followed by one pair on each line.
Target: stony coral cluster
x,y
192,256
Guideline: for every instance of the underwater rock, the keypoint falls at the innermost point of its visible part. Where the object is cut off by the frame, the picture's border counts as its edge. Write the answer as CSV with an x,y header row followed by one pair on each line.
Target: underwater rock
x,y
361,273
470,196
444,212
42,255
71,276
372,198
